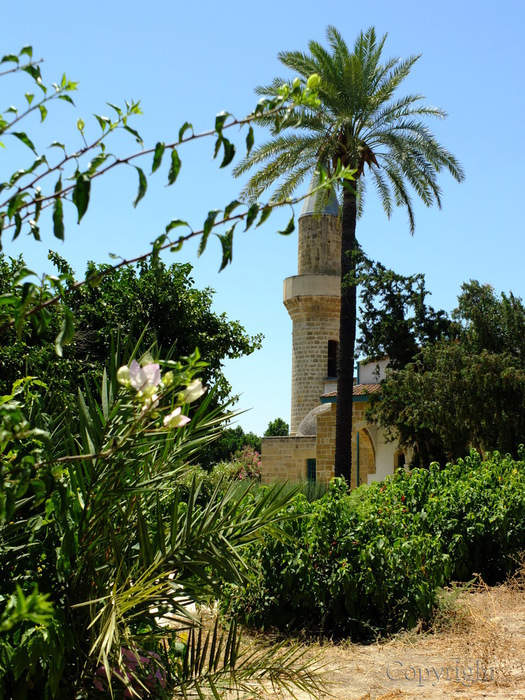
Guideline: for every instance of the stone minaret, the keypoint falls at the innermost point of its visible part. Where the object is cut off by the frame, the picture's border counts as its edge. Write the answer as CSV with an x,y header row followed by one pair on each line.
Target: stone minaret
x,y
312,298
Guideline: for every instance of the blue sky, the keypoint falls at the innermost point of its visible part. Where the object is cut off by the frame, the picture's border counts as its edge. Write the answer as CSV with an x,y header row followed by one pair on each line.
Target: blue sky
x,y
188,62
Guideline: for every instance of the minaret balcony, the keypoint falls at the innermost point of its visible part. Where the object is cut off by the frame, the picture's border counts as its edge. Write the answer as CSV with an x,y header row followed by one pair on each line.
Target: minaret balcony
x,y
311,286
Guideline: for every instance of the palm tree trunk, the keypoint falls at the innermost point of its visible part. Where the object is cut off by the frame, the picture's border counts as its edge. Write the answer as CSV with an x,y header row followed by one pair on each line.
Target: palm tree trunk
x,y
345,363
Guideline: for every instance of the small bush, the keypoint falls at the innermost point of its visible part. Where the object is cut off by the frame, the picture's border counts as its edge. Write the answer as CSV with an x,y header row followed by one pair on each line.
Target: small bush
x,y
244,464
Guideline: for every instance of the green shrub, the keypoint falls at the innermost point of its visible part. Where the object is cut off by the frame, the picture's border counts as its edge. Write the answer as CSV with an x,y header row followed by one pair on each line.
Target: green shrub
x,y
343,571
370,561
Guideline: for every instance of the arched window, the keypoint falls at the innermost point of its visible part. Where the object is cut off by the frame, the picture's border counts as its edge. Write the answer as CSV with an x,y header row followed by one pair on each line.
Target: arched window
x,y
333,346
399,460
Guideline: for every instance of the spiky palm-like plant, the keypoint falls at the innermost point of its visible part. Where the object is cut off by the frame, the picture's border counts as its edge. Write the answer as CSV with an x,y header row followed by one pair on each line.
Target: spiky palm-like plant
x,y
104,540
358,123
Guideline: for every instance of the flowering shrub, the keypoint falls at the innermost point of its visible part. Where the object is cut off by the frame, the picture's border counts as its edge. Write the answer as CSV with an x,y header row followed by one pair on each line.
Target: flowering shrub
x,y
246,464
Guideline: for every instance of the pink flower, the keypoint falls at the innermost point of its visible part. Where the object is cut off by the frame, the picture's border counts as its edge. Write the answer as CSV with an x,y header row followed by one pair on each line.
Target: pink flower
x,y
131,661
193,391
141,378
175,419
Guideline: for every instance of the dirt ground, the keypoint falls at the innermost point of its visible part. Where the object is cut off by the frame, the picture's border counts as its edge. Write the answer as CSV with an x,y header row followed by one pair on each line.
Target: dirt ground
x,y
475,650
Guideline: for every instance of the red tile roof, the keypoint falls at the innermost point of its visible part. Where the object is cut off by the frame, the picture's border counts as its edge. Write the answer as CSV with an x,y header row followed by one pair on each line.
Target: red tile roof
x,y
359,390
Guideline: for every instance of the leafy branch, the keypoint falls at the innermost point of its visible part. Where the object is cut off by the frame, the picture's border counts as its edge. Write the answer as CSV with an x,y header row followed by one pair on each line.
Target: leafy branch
x,y
27,202
256,213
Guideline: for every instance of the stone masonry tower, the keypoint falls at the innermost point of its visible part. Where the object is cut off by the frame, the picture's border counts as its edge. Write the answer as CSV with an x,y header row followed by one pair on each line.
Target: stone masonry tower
x,y
312,298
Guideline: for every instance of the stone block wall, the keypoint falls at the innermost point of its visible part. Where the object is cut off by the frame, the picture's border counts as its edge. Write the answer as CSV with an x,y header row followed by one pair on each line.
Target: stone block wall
x,y
319,245
284,458
315,322
326,445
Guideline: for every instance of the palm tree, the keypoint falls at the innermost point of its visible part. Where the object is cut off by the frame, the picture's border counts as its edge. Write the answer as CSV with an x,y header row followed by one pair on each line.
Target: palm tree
x,y
358,123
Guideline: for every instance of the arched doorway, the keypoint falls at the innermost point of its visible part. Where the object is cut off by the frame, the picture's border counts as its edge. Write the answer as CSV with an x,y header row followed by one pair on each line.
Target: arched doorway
x,y
366,455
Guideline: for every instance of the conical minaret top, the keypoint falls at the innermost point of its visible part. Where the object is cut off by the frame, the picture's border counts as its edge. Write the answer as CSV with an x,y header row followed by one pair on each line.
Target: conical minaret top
x,y
311,203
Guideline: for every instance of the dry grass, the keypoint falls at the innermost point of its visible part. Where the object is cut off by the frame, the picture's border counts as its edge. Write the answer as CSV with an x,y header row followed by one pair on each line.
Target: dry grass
x,y
475,649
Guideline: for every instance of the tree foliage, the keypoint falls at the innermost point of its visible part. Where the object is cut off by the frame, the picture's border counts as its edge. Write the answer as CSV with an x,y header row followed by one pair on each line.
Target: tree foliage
x,y
149,303
457,385
394,319
230,441
370,562
276,428
60,176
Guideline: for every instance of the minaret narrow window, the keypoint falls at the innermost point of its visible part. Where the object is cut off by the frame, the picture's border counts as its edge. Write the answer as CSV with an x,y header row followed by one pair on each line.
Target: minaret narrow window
x,y
332,358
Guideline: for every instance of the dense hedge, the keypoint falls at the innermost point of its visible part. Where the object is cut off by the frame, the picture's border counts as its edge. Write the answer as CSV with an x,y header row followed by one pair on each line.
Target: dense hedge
x,y
368,562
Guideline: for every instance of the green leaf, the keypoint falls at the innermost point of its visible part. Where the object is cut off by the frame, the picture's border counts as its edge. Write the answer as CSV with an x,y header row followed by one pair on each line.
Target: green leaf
x,y
208,226
174,167
35,230
81,194
135,133
218,145
250,139
22,274
231,206
184,128
34,72
16,203
210,221
27,51
251,215
227,247
66,98
8,300
229,152
219,121
2,220
58,219
157,156
67,331
58,213
18,226
29,97
57,144
43,112
117,109
177,246
289,228
104,122
157,245
97,161
9,57
22,136
265,214
38,204
176,222
143,185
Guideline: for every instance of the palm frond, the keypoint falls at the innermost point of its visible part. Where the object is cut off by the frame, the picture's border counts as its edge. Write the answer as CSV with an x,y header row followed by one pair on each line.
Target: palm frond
x,y
359,118
219,660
